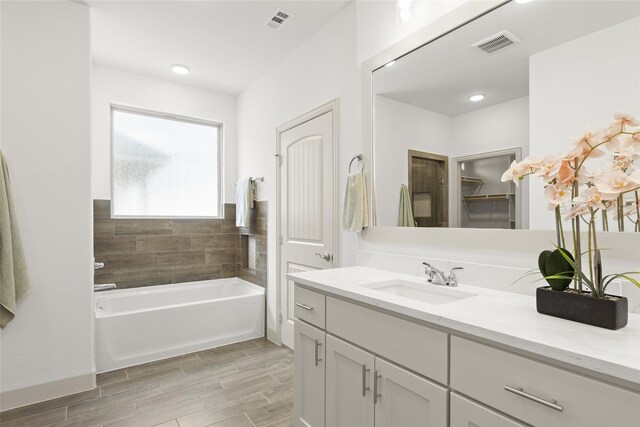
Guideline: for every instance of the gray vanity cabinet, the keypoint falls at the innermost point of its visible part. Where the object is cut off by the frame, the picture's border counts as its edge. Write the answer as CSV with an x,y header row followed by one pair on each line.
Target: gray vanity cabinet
x,y
309,368
405,399
351,376
349,385
365,391
377,369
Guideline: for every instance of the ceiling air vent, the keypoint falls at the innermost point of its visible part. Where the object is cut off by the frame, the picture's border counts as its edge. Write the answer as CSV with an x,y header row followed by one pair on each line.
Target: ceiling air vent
x,y
496,42
278,18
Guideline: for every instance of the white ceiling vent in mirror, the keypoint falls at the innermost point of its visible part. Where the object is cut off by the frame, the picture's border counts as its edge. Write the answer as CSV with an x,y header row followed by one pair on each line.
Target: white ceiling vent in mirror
x,y
278,18
496,42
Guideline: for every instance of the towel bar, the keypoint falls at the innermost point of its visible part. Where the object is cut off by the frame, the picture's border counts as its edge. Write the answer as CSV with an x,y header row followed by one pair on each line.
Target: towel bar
x,y
257,178
357,157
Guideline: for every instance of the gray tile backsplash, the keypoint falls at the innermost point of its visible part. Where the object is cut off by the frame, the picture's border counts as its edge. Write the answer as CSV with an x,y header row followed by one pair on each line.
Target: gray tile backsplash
x,y
257,228
147,252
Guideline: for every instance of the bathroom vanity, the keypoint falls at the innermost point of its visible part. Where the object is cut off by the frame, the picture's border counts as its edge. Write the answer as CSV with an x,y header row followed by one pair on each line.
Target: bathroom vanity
x,y
385,349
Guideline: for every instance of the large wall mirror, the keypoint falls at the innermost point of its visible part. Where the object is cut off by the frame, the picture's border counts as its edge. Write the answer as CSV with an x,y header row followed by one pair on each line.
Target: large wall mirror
x,y
522,79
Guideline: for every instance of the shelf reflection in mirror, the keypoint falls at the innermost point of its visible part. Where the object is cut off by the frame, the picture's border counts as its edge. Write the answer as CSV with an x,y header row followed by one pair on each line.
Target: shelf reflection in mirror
x,y
547,72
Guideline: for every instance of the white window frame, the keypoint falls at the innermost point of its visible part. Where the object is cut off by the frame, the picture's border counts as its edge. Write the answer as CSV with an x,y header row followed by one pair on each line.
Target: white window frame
x,y
156,114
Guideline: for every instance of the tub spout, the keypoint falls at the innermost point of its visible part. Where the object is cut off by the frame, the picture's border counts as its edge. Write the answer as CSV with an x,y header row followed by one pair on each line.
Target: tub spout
x,y
105,287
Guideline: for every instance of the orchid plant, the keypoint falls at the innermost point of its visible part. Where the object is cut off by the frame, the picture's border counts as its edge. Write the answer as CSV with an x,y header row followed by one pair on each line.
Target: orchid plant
x,y
578,194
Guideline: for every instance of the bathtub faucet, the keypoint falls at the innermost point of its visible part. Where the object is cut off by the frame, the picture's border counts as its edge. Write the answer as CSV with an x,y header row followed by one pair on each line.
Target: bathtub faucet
x,y
105,287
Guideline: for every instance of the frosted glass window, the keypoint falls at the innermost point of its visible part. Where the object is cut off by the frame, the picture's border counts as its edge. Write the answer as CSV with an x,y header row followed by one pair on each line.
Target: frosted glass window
x,y
164,166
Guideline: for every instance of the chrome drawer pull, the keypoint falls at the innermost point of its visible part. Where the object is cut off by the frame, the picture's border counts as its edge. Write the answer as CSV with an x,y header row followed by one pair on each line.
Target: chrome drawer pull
x,y
553,404
305,306
364,380
318,359
376,395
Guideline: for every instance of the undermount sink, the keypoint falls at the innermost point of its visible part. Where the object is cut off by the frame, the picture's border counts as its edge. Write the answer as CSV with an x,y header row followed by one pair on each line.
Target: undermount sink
x,y
425,292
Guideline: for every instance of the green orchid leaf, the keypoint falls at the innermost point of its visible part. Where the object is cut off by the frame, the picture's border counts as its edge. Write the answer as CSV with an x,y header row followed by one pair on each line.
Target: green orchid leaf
x,y
528,273
557,269
611,277
576,267
542,262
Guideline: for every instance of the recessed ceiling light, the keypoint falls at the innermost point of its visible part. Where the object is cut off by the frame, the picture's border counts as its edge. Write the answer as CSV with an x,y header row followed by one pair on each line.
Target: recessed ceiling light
x,y
180,69
523,1
476,98
390,64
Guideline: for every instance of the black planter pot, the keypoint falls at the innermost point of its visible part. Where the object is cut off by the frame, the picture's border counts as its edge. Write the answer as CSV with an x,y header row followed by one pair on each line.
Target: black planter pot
x,y
604,313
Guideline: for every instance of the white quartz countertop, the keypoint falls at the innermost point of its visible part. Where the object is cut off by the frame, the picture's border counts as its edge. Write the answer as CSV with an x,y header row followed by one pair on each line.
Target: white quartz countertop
x,y
503,317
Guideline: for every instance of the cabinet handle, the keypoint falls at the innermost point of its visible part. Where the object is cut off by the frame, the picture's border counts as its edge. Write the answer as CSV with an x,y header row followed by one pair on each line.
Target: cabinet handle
x,y
318,359
376,395
305,306
364,380
553,404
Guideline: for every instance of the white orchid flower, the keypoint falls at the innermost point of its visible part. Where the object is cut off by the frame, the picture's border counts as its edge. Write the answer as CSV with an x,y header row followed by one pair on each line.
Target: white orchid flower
x,y
518,170
591,198
625,119
549,167
576,210
617,182
556,195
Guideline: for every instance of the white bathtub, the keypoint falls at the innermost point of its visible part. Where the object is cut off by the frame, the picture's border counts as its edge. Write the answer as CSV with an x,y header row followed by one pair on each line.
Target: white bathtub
x,y
144,324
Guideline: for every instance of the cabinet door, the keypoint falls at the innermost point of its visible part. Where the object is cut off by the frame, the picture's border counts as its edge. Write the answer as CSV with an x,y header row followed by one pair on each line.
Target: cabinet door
x,y
349,386
407,400
309,375
465,413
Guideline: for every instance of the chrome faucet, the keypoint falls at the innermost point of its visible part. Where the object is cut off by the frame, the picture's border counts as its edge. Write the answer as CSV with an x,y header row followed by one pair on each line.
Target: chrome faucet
x,y
439,277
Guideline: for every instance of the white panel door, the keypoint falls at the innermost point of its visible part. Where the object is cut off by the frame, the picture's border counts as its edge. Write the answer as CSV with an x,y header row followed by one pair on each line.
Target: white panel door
x,y
309,362
349,391
307,211
407,400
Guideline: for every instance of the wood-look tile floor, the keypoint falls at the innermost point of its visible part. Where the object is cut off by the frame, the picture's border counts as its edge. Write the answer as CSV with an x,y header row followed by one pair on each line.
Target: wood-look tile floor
x,y
249,384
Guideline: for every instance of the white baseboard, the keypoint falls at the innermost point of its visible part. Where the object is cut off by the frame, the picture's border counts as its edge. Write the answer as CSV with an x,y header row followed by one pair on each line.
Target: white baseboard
x,y
39,393
272,335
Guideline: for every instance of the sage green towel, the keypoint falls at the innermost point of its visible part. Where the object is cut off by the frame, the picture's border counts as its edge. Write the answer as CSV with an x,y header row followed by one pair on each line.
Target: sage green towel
x,y
405,216
14,280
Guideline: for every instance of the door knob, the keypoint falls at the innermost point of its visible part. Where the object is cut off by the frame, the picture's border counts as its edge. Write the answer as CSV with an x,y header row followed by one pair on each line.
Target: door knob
x,y
325,256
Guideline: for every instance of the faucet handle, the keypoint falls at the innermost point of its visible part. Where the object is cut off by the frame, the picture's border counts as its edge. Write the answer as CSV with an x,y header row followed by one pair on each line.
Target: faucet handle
x,y
428,270
453,279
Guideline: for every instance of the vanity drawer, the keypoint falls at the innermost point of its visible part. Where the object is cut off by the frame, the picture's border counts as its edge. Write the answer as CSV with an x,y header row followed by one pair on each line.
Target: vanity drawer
x,y
309,306
414,346
465,413
484,373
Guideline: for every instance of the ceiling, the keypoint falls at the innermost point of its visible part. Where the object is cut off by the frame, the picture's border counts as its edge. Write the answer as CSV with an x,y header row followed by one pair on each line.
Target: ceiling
x,y
443,74
225,43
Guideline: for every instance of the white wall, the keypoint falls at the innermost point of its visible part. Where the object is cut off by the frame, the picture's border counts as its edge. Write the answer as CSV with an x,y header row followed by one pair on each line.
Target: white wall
x,y
321,69
576,87
45,137
111,86
498,127
400,127
378,28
